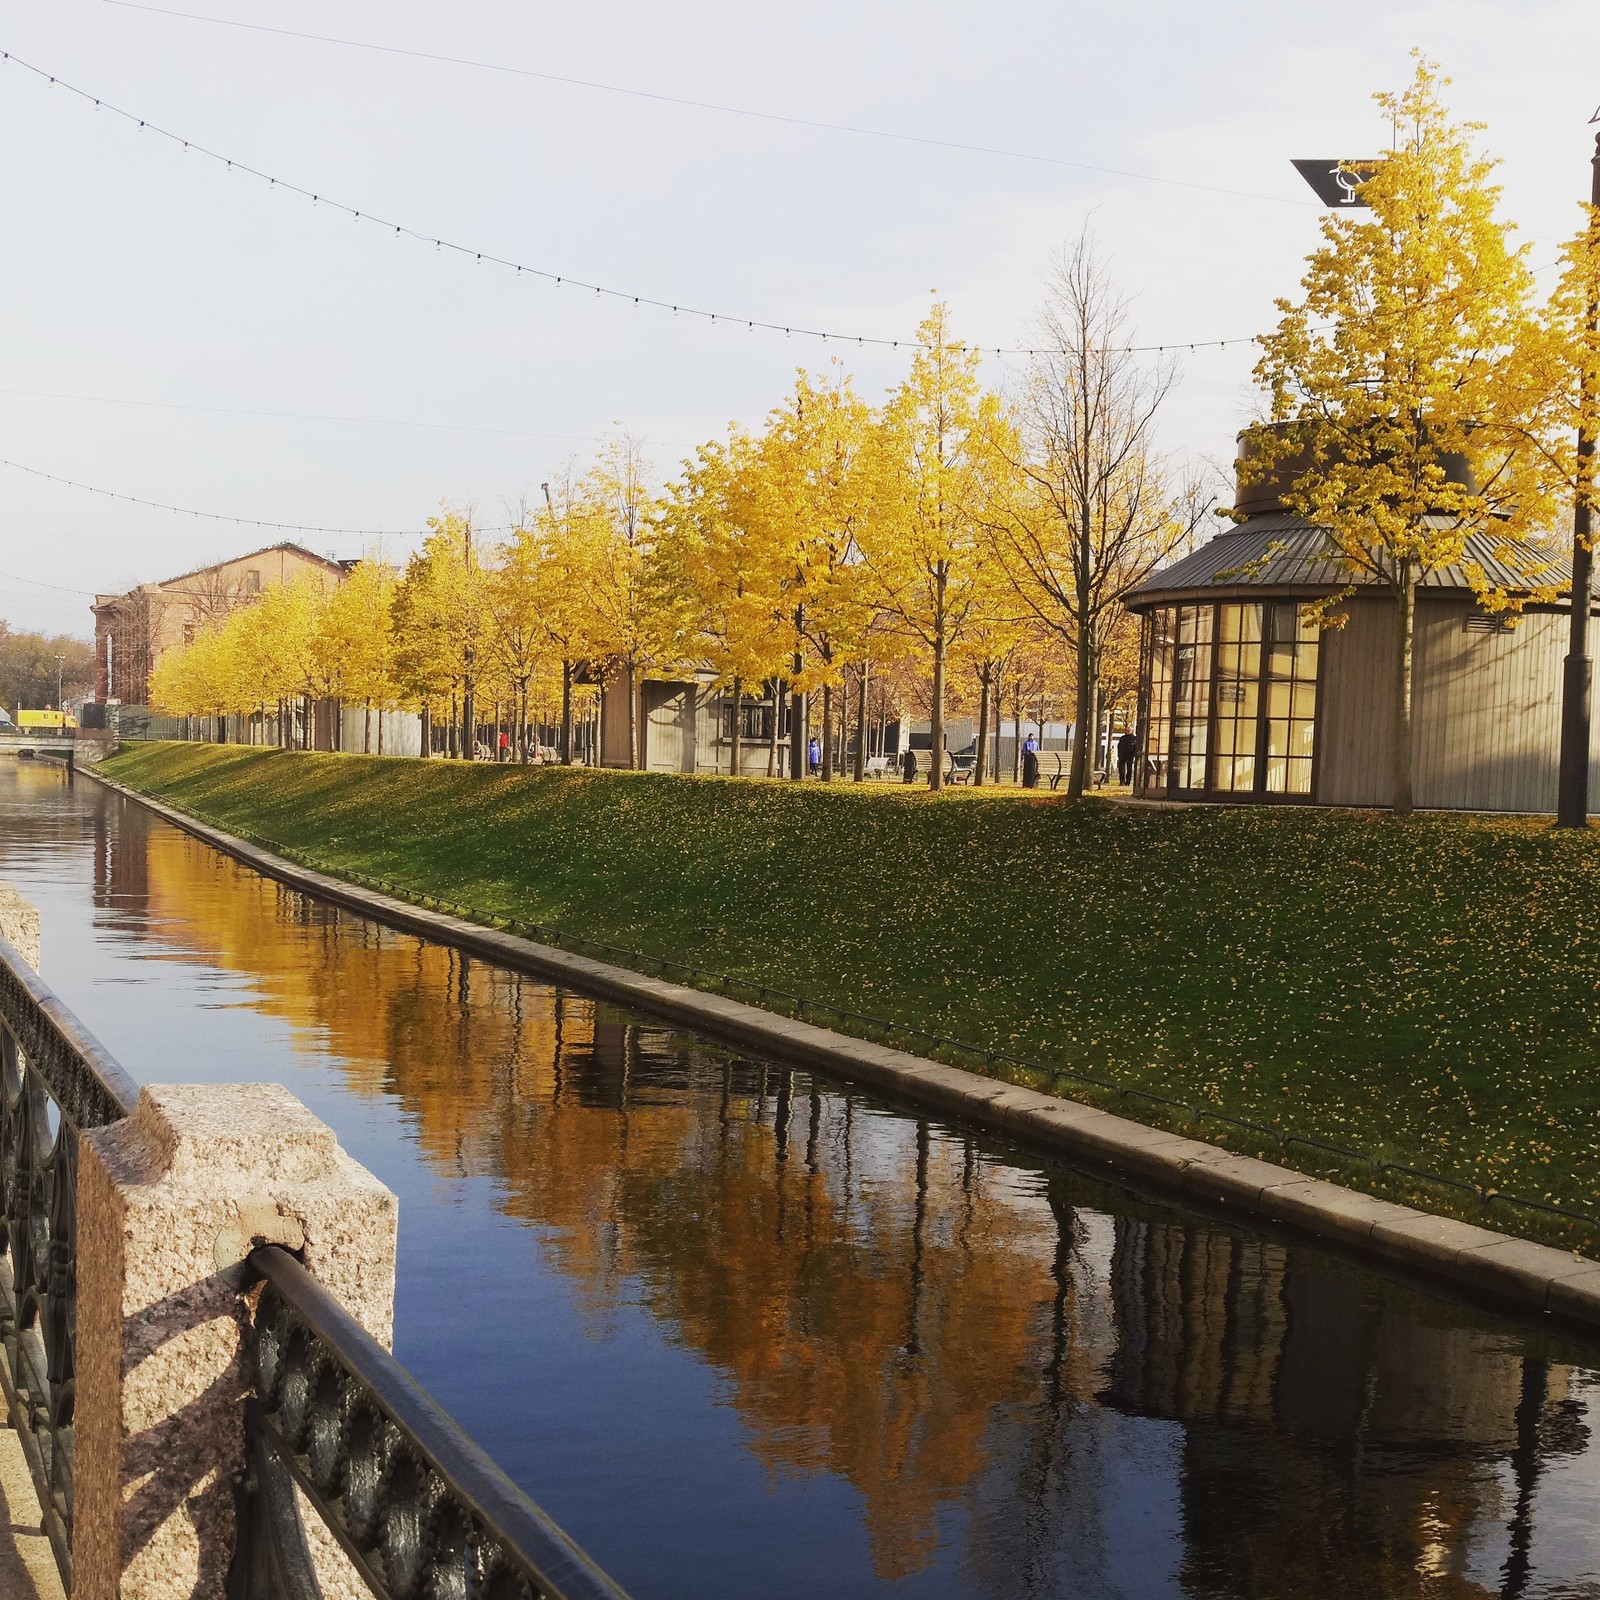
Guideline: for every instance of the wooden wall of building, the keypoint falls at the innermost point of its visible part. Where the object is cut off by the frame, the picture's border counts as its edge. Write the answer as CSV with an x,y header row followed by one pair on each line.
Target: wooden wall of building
x,y
1487,709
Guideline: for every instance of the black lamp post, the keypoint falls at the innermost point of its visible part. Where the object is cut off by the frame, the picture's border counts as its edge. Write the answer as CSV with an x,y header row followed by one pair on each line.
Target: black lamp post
x,y
59,661
1572,806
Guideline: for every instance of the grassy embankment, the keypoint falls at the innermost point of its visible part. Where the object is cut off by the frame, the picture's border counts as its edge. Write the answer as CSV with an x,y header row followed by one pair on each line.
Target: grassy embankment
x,y
1427,992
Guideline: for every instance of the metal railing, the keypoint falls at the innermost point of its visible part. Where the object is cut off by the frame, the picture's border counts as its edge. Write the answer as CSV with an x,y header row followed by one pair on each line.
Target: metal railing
x,y
56,1081
420,1510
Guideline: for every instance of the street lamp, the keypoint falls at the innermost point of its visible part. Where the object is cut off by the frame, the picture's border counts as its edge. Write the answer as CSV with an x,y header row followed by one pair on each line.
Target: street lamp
x,y
59,661
1572,805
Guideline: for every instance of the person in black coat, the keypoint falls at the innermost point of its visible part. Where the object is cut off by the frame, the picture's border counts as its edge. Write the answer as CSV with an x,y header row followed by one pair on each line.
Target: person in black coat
x,y
1127,756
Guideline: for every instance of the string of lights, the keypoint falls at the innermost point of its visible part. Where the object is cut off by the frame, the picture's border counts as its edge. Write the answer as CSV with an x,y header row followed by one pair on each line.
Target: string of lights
x,y
212,516
544,274
711,105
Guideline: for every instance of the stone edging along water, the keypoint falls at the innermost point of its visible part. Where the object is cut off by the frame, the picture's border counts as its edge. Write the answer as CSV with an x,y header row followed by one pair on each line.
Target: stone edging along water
x,y
1516,1272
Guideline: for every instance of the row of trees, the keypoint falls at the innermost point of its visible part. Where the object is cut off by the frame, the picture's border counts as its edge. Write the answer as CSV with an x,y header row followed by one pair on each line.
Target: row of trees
x,y
956,537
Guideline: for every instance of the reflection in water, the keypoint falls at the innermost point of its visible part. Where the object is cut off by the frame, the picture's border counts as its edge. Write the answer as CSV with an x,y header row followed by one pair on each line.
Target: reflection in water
x,y
1019,1382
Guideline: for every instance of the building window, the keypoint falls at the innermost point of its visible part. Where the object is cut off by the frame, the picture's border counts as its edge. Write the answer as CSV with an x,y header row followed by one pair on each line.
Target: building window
x,y
1230,696
1191,697
252,581
755,720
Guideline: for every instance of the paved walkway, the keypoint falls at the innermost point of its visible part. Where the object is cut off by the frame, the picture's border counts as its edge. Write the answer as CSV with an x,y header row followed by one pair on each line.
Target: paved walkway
x,y
27,1563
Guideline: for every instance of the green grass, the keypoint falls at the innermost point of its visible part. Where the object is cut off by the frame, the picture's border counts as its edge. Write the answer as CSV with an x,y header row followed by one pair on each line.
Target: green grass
x,y
1427,992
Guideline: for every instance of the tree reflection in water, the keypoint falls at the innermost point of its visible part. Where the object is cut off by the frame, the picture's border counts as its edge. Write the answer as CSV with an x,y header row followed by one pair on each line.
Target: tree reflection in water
x,y
999,1356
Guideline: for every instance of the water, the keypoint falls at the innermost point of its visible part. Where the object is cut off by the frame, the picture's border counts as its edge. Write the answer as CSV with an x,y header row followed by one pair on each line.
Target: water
x,y
745,1332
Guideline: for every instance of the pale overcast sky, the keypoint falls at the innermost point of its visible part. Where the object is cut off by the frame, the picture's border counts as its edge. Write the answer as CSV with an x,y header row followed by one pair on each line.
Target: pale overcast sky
x,y
187,335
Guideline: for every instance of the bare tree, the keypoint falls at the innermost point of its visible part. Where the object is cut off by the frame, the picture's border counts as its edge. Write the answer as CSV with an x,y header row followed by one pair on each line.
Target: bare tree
x,y
1090,507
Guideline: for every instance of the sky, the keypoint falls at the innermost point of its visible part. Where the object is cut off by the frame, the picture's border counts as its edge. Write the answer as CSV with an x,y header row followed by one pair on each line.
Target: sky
x,y
179,332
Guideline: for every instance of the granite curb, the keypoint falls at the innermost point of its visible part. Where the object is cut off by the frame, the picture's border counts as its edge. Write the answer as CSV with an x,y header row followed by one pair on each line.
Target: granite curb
x,y
1513,1272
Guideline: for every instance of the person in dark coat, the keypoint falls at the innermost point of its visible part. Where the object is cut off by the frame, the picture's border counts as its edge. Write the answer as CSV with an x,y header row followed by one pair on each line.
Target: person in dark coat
x,y
908,766
1030,768
1127,756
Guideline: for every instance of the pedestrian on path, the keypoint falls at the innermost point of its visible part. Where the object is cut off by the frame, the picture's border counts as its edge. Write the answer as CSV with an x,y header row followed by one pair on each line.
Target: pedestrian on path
x,y
1127,756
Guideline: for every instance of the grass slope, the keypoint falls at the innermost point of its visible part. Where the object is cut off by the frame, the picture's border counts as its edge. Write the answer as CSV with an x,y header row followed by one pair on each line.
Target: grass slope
x,y
1428,992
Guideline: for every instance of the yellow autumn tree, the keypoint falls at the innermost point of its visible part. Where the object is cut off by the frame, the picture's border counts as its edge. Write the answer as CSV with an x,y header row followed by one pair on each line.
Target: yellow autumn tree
x,y
1397,367
615,505
812,496
922,542
354,643
440,625
709,575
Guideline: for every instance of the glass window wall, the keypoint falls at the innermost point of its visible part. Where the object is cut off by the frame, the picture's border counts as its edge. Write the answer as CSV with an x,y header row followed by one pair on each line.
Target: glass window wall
x,y
1230,700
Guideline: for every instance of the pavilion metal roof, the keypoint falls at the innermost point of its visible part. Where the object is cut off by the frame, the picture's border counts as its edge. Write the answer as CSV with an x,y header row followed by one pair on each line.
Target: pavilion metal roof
x,y
1280,550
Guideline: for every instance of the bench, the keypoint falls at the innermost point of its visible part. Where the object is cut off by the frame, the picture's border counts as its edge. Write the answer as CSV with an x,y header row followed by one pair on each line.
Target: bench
x,y
879,766
1055,765
956,770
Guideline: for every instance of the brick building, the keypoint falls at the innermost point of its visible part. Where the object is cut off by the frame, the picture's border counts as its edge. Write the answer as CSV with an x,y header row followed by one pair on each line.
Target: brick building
x,y
132,630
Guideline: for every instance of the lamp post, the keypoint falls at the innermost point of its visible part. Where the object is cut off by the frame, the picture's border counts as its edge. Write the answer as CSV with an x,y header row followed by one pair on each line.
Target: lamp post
x,y
1572,805
59,661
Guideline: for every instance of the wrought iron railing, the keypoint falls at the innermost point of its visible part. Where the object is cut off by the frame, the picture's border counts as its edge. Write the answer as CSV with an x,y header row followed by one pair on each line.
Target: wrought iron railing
x,y
336,1424
421,1512
56,1081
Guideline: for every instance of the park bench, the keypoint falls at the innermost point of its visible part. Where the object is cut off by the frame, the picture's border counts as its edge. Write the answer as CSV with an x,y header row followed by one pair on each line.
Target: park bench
x,y
1055,765
879,766
954,771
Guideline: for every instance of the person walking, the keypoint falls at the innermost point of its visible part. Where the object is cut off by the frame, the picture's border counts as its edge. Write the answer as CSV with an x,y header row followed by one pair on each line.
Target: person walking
x,y
1127,756
814,757
1030,765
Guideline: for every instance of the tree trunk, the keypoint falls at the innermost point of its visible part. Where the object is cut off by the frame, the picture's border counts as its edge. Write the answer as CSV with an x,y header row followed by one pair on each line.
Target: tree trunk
x,y
772,741
380,730
827,733
999,722
633,718
736,739
1083,715
861,722
427,730
1016,733
566,713
936,729
1406,605
469,720
797,728
600,723
978,766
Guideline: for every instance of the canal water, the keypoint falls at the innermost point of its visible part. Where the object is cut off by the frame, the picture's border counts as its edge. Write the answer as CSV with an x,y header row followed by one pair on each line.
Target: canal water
x,y
745,1332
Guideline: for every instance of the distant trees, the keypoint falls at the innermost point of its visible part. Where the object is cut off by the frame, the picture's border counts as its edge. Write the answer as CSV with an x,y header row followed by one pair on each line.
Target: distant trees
x,y
28,668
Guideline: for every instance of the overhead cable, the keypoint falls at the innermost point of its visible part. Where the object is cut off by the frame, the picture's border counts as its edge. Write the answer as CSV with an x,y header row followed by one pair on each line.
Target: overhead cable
x,y
561,280
712,105
213,516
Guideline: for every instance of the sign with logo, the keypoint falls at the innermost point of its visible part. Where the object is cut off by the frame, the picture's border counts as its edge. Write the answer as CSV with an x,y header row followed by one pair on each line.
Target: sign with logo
x,y
1337,183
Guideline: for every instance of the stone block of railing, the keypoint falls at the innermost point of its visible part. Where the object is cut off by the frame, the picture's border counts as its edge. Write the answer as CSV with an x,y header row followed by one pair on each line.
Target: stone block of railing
x,y
171,1201
19,924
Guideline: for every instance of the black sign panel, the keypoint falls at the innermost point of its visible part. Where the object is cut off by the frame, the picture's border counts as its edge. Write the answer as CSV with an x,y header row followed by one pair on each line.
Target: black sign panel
x,y
1335,181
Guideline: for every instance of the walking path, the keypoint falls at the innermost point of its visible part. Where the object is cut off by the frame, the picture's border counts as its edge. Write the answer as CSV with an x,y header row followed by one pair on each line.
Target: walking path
x,y
27,1563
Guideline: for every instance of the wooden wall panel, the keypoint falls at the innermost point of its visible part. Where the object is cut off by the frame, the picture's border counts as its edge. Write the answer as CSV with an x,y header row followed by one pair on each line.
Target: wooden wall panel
x,y
1355,722
1487,710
